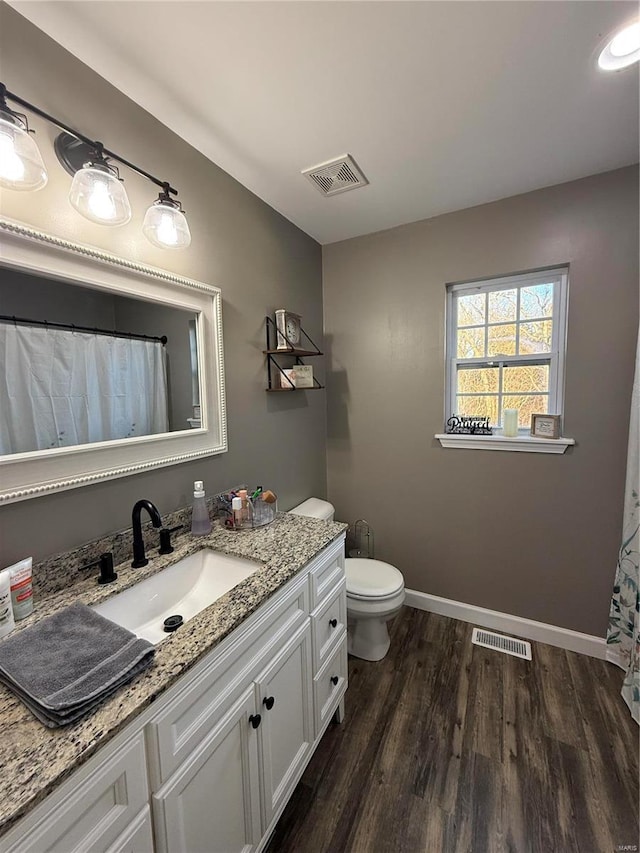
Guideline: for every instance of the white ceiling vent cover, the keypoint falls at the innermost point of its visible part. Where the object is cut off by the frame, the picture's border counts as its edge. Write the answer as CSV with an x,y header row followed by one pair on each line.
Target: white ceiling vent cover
x,y
336,176
500,643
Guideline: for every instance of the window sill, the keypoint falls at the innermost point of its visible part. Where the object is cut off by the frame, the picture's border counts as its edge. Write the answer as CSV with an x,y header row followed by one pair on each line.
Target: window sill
x,y
522,443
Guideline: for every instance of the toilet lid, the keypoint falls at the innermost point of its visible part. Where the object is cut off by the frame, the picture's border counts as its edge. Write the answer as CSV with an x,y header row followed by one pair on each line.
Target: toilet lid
x,y
372,578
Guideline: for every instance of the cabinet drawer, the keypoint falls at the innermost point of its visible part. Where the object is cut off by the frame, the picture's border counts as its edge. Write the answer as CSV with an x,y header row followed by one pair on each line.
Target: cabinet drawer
x,y
186,720
327,573
328,623
329,685
91,810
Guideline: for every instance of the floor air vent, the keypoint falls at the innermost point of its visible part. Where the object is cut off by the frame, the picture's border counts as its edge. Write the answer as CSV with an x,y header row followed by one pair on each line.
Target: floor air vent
x,y
500,643
336,176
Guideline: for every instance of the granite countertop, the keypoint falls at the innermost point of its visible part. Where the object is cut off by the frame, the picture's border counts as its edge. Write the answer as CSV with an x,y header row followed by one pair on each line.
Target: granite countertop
x,y
35,759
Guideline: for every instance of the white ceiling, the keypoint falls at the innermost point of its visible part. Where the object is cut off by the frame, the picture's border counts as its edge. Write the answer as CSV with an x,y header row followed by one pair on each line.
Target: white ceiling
x,y
443,105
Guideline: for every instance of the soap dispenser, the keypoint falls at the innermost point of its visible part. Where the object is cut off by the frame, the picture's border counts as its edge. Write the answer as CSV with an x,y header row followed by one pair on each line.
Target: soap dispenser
x,y
200,521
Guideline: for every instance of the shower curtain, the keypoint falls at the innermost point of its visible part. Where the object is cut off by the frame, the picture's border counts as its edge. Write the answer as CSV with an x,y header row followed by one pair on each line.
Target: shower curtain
x,y
623,635
61,388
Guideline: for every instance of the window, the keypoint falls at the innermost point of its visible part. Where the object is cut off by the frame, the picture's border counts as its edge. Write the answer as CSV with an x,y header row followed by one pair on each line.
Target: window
x,y
505,346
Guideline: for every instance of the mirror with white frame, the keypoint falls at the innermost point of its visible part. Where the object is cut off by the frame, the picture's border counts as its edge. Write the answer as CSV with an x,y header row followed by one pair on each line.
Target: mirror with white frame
x,y
108,367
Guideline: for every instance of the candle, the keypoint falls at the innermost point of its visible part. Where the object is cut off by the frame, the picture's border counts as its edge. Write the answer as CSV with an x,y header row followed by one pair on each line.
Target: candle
x,y
510,422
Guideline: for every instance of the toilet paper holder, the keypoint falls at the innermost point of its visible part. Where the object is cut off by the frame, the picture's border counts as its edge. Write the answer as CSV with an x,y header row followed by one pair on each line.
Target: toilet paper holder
x,y
361,536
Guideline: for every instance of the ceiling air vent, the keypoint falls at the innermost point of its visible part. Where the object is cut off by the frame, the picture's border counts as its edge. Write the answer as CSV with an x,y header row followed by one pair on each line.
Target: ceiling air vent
x,y
336,176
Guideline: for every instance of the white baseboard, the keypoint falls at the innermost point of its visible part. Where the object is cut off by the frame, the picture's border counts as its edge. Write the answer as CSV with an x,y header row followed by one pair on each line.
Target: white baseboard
x,y
614,656
573,641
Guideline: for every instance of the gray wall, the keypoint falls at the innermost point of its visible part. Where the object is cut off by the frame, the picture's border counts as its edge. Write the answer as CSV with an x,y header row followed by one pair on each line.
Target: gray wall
x,y
26,295
528,534
258,259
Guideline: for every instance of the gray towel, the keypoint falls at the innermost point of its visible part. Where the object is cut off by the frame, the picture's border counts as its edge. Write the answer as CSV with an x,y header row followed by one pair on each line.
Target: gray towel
x,y
64,666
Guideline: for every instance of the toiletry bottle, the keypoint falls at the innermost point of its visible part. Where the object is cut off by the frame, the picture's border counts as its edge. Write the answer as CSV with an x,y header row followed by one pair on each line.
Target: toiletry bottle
x,y
247,508
7,622
200,521
21,588
236,506
242,494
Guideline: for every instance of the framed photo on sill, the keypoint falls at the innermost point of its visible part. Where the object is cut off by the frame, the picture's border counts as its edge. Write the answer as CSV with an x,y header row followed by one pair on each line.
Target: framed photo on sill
x,y
545,426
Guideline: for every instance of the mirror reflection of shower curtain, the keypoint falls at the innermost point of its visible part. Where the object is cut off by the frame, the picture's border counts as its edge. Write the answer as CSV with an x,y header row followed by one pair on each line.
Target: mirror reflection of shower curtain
x,y
61,388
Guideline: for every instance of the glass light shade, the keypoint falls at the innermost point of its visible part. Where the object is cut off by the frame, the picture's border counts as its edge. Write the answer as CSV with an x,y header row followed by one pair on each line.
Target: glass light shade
x,y
166,226
98,195
623,49
21,166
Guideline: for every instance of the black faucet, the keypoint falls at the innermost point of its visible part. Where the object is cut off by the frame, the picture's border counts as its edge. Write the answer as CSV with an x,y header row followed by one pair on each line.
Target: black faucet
x,y
139,557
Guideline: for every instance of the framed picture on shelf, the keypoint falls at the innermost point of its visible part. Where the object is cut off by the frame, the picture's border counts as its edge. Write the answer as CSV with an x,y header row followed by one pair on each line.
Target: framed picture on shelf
x,y
304,376
545,426
301,376
287,378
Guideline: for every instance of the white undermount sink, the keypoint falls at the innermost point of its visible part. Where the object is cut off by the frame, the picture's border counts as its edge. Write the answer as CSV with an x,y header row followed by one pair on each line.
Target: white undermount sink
x,y
183,589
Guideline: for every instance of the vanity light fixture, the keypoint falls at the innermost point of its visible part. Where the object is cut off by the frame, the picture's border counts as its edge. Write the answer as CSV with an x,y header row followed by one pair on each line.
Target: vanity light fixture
x,y
21,164
97,190
165,224
622,50
98,193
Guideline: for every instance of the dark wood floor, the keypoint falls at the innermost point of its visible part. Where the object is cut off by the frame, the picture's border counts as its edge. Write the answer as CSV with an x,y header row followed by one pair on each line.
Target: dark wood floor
x,y
449,748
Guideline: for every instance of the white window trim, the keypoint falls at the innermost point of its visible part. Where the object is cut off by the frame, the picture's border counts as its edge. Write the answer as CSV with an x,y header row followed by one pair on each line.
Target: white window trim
x,y
556,359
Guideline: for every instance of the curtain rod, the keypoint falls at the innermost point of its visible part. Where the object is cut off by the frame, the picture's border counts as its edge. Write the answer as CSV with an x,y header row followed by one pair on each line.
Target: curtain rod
x,y
24,321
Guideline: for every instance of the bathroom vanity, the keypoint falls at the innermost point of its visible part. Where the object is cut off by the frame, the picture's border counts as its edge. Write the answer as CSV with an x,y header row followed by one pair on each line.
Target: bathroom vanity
x,y
203,751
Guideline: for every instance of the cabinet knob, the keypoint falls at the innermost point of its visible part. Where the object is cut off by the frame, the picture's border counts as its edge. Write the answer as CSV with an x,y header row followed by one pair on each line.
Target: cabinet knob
x,y
269,702
255,720
334,679
333,623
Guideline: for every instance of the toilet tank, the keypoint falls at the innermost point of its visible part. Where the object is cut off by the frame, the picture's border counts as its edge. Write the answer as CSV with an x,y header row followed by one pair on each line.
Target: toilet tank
x,y
315,508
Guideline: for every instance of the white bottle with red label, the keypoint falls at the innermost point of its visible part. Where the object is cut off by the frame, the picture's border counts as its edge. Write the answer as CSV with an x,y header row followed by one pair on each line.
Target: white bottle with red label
x,y
7,622
22,588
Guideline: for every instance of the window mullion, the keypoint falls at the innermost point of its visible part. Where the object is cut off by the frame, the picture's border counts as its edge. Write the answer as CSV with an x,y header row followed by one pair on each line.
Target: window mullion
x,y
500,375
453,388
553,384
486,323
518,291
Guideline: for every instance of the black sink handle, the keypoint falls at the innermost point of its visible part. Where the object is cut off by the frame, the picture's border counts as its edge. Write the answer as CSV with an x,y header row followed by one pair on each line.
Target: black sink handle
x,y
165,539
105,561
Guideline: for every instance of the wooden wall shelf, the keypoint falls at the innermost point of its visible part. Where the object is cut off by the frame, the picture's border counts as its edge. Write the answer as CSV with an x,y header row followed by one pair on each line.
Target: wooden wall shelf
x,y
275,371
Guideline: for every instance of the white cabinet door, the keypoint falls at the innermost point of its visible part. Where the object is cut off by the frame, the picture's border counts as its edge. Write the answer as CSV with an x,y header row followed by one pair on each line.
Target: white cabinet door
x,y
284,697
211,804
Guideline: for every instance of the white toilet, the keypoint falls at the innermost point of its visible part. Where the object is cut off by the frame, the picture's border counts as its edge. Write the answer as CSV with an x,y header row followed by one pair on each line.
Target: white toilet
x,y
375,593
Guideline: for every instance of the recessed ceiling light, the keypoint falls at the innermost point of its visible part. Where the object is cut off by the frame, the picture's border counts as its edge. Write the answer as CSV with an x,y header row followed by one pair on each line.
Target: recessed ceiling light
x,y
622,50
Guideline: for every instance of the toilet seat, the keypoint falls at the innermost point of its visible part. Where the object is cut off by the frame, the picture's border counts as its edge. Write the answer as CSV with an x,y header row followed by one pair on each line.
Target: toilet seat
x,y
372,579
373,598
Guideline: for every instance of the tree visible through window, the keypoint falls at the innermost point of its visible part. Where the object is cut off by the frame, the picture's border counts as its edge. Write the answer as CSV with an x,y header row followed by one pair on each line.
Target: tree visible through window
x,y
505,346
